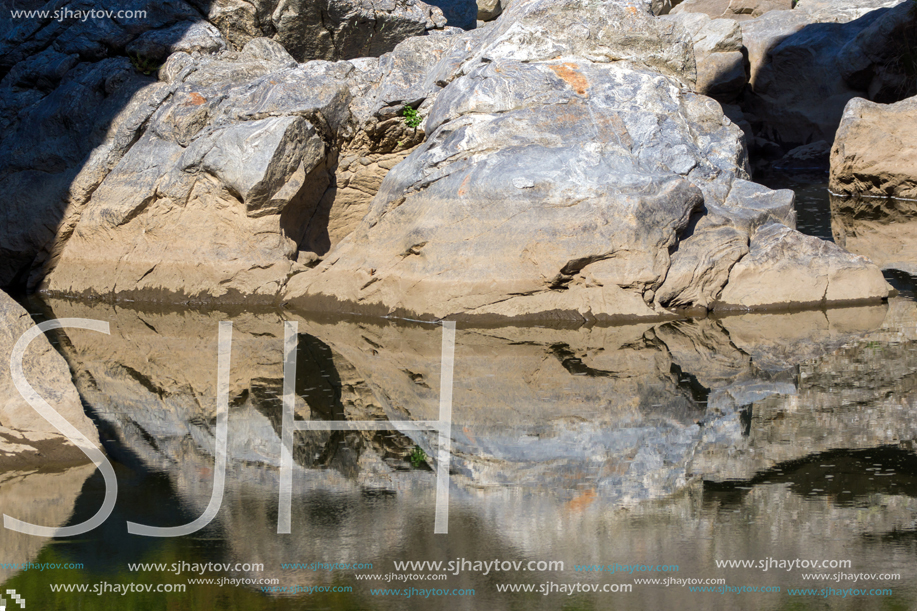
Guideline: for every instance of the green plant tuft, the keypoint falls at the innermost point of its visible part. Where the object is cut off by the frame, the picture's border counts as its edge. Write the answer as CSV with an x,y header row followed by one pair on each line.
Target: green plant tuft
x,y
411,117
144,65
417,457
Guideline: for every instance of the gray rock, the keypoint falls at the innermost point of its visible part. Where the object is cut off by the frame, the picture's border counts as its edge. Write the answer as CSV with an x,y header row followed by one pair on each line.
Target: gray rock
x,y
325,29
877,59
717,52
842,11
732,9
806,64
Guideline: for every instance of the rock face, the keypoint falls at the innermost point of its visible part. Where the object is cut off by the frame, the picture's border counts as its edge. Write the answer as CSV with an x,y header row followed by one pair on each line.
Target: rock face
x,y
874,153
718,53
260,157
76,94
558,167
498,215
27,439
806,64
323,29
732,9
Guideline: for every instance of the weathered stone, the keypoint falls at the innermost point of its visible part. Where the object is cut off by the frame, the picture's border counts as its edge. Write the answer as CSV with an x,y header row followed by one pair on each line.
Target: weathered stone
x,y
157,45
324,29
786,268
841,11
874,153
806,64
879,60
27,440
717,52
488,10
732,9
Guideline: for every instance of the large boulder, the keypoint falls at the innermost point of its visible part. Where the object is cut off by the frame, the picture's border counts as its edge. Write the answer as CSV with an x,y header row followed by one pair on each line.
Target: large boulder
x,y
267,162
392,183
501,212
76,94
874,153
27,440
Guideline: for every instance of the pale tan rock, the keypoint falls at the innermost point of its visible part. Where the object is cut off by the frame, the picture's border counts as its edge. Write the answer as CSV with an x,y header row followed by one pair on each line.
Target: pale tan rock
x,y
786,268
875,152
26,438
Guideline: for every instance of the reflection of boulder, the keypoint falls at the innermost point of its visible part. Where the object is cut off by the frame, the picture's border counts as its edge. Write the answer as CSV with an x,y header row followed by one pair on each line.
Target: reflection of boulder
x,y
623,408
554,431
26,438
45,498
885,230
858,396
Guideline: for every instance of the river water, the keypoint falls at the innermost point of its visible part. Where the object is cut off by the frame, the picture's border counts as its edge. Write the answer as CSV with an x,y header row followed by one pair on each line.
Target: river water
x,y
652,451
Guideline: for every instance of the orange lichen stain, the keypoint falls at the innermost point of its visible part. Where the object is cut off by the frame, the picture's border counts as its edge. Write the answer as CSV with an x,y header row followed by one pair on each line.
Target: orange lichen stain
x,y
463,188
573,78
579,503
196,98
632,10
469,434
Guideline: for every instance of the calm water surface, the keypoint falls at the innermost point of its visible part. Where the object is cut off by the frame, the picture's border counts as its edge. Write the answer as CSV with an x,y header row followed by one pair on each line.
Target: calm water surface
x,y
678,445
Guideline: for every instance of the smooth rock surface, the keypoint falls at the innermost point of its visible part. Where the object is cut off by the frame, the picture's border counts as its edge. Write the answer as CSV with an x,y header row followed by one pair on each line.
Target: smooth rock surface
x,y
76,94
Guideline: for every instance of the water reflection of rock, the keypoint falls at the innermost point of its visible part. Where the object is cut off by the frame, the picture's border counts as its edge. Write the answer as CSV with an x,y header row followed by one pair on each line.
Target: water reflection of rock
x,y
45,498
553,429
885,230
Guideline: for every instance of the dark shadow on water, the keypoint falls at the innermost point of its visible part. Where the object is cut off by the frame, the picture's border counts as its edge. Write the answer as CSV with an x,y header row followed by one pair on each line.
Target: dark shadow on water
x,y
845,477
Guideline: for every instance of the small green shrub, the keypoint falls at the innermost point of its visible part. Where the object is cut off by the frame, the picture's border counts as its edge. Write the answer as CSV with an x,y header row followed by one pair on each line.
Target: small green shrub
x,y
144,65
411,117
417,457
